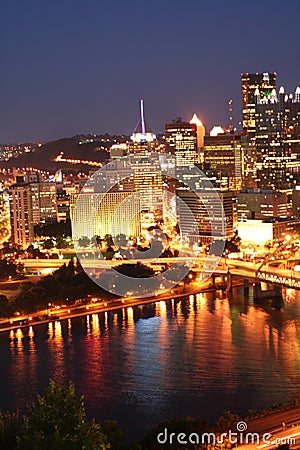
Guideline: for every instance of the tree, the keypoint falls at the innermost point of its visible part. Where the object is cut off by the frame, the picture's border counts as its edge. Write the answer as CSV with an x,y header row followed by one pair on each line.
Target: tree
x,y
3,306
48,244
109,240
10,426
113,433
84,241
110,253
121,240
7,269
61,242
95,241
58,421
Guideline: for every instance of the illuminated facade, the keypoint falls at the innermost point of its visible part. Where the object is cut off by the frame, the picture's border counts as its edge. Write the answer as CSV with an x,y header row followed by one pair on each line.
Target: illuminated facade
x,y
21,215
113,212
199,225
47,202
264,83
148,182
261,203
4,216
31,203
225,153
277,140
117,176
259,232
181,141
200,135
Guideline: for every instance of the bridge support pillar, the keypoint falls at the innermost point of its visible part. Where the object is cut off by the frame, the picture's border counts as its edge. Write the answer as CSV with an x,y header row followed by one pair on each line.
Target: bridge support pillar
x,y
246,286
272,291
229,282
213,279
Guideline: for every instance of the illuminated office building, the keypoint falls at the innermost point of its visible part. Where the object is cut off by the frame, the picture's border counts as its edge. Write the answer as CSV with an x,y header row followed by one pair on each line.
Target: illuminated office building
x,y
251,82
98,214
277,140
200,136
181,141
117,176
47,202
224,153
261,204
194,217
148,182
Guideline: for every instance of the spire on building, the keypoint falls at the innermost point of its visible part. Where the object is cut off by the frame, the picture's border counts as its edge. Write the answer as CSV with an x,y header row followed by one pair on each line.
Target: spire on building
x,y
142,131
195,120
200,130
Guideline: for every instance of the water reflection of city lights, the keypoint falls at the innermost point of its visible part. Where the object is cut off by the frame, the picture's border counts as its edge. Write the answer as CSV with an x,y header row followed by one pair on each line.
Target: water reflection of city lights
x,y
30,332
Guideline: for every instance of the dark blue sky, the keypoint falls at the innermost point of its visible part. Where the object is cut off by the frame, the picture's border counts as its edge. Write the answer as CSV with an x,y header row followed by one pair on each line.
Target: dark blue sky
x,y
70,66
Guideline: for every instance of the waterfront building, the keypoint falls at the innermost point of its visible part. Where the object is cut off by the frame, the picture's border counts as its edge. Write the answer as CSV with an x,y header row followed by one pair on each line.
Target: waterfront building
x,y
196,210
98,214
260,232
255,203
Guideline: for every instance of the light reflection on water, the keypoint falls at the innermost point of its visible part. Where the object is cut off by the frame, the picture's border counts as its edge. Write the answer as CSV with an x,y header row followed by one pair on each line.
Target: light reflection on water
x,y
192,357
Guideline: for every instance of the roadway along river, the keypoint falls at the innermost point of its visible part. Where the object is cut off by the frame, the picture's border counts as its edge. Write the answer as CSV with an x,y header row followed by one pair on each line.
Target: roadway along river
x,y
190,357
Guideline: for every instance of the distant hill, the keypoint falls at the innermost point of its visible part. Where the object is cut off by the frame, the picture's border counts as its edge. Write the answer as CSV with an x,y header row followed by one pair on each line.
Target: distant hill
x,y
76,147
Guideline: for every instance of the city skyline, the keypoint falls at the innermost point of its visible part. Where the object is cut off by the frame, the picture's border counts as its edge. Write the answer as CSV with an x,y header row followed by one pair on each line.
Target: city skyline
x,y
190,117
181,58
150,224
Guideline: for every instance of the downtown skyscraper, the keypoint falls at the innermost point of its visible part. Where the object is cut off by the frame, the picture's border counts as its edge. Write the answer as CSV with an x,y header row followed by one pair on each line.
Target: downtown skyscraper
x,y
277,139
251,82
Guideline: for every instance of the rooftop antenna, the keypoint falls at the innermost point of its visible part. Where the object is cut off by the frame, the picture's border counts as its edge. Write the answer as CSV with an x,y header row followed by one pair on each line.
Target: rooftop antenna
x,y
230,109
142,117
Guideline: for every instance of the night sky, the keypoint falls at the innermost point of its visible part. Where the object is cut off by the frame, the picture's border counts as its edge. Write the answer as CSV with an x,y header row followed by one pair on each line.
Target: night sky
x,y
70,66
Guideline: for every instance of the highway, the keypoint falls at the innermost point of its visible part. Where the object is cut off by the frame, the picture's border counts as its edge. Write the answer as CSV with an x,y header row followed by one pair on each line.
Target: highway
x,y
237,267
202,264
97,306
282,425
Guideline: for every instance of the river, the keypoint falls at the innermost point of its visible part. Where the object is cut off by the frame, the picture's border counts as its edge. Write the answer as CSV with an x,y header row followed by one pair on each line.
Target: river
x,y
195,356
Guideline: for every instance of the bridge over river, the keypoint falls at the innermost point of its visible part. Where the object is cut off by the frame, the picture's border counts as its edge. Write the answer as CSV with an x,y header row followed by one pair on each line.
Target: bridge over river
x,y
254,272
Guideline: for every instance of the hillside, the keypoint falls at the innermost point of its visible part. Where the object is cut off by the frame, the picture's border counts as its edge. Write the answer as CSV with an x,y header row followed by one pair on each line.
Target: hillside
x,y
43,157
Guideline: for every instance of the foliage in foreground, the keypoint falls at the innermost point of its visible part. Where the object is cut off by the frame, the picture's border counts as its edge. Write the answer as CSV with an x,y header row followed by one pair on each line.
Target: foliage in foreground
x,y
57,421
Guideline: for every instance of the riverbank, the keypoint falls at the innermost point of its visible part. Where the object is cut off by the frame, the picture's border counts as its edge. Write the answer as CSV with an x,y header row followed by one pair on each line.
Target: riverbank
x,y
65,313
